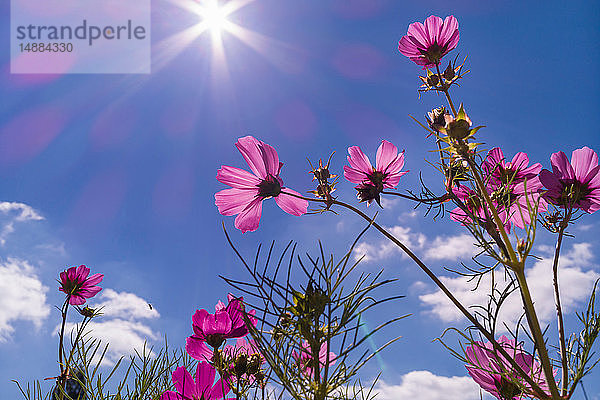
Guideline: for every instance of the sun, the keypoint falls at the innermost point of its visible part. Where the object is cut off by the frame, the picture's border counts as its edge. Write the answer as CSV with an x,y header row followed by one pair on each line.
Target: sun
x,y
214,17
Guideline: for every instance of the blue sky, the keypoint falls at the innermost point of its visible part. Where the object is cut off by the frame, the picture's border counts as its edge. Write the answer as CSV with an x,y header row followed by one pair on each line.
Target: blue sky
x,y
118,171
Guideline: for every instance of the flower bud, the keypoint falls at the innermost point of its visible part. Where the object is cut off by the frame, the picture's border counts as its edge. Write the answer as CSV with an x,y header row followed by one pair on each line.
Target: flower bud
x,y
449,73
436,118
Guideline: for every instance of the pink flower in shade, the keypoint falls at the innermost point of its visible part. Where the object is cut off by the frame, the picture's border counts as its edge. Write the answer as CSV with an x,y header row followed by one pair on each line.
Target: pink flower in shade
x,y
494,373
227,322
372,181
427,43
76,283
305,358
248,190
516,171
200,389
574,184
512,184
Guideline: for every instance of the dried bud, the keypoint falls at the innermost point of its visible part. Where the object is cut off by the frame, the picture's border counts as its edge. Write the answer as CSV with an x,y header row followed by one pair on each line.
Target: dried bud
x,y
449,73
253,364
436,118
521,246
88,311
241,365
433,80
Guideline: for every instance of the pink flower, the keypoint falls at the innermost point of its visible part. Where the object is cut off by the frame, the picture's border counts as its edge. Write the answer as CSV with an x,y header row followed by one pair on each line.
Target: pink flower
x,y
427,43
200,389
227,322
248,190
305,358
494,373
513,172
512,184
372,181
76,283
574,184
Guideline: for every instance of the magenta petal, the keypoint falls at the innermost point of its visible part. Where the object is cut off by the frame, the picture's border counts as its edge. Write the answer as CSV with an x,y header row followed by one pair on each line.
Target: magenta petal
x,y
448,35
417,30
183,382
354,175
82,273
561,165
386,154
205,377
271,158
433,25
237,178
234,201
250,148
358,160
406,47
198,349
248,219
76,300
170,395
94,279
583,160
219,390
291,205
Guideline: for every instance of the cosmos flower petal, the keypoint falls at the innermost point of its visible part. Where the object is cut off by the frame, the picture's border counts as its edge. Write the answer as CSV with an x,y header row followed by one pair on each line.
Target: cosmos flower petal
x,y
386,154
290,204
183,382
358,160
272,164
250,148
248,219
233,201
561,165
170,395
449,34
433,26
583,161
354,175
205,377
237,178
198,349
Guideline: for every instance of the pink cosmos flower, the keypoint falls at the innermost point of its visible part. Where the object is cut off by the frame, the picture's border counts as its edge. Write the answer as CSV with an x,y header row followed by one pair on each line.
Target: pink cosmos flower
x,y
512,184
372,181
227,322
76,283
200,389
305,358
427,43
513,172
494,373
574,184
248,190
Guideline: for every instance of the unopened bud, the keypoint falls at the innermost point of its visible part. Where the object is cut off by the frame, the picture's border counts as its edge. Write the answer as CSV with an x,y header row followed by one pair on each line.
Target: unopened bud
x,y
449,73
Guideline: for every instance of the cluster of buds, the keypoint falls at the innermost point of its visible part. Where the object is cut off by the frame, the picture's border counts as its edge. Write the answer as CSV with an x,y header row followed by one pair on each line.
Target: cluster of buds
x,y
326,182
455,130
443,80
456,171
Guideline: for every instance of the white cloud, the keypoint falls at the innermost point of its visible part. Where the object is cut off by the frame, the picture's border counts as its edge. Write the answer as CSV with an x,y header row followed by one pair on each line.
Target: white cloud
x,y
451,248
125,305
14,212
385,248
22,296
123,337
576,278
424,385
389,203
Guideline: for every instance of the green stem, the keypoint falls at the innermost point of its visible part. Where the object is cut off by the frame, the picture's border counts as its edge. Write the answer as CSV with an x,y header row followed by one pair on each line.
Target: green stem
x,y
445,90
535,387
559,315
64,310
538,336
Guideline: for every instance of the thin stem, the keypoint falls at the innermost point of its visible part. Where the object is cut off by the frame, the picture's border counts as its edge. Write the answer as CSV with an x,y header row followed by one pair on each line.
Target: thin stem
x,y
538,336
559,315
445,90
433,200
535,387
64,310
